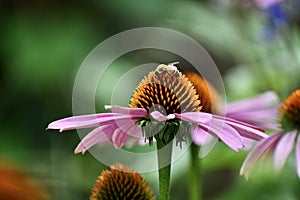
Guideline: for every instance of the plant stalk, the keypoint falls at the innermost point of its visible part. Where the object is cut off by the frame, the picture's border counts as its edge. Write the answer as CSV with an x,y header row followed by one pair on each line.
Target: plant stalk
x,y
164,157
195,182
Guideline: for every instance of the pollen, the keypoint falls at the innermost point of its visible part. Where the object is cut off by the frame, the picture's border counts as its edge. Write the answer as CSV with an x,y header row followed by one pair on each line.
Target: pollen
x,y
167,91
290,111
121,182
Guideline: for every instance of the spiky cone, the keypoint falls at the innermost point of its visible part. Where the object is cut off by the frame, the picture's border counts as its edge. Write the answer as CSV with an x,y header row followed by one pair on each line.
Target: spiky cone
x,y
166,93
121,182
289,111
281,144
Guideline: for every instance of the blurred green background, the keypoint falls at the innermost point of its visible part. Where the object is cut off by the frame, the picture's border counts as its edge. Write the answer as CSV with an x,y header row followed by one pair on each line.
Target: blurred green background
x,y
44,42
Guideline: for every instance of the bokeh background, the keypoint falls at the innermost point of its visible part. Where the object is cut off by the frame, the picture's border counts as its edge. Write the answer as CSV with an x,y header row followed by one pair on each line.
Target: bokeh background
x,y
43,43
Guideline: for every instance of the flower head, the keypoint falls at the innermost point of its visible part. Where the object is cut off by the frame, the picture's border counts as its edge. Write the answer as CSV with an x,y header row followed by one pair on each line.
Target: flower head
x,y
257,111
18,185
281,143
164,106
121,182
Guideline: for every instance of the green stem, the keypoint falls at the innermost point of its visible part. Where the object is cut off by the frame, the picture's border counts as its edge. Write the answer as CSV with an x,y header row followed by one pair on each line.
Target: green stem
x,y
195,187
164,156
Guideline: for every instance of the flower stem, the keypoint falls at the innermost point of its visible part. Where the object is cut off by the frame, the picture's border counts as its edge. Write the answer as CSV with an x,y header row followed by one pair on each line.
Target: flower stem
x,y
195,187
164,156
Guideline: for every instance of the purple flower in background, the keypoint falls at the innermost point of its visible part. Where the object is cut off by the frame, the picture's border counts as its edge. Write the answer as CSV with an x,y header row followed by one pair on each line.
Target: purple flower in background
x,y
264,4
165,104
277,16
282,142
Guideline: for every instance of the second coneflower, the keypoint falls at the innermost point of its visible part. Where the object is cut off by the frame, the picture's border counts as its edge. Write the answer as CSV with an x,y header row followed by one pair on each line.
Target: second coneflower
x,y
282,142
121,182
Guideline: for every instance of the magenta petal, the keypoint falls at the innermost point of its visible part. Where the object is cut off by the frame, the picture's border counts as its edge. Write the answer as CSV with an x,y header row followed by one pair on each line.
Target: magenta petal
x,y
160,117
100,134
194,117
247,131
83,121
266,100
257,152
229,136
233,122
199,136
78,122
119,138
135,112
283,149
298,156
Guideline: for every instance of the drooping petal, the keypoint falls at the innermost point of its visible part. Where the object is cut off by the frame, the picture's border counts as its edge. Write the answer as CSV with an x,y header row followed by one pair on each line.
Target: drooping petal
x,y
247,131
100,134
194,117
261,102
119,138
298,156
257,152
283,149
78,122
199,136
135,112
233,122
130,129
87,121
227,134
260,111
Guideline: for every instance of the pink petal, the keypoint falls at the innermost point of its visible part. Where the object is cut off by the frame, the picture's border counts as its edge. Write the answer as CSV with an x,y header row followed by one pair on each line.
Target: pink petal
x,y
247,131
257,152
160,117
283,149
233,121
71,122
194,117
78,122
199,136
261,102
135,112
119,138
298,156
131,129
227,134
100,134
230,137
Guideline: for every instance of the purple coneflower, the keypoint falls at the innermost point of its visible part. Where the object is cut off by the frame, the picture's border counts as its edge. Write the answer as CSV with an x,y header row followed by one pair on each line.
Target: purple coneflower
x,y
257,111
121,182
280,143
164,106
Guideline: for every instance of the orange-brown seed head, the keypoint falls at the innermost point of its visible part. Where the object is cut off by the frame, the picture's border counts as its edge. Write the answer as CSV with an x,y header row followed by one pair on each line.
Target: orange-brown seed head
x,y
166,92
121,182
290,111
